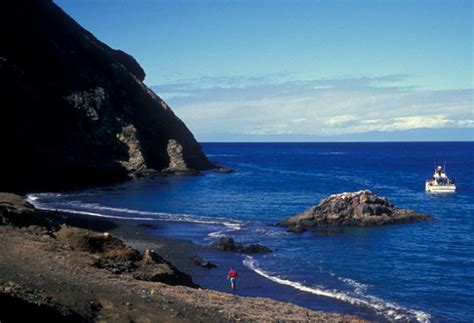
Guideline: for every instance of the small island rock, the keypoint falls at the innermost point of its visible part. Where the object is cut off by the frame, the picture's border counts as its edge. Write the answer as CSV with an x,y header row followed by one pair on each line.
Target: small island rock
x,y
362,208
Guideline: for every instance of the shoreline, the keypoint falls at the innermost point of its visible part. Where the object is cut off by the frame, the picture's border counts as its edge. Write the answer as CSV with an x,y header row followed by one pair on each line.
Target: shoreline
x,y
250,283
41,270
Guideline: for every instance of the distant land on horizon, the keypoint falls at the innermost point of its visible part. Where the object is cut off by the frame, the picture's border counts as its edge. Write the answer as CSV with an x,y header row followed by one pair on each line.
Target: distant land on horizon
x,y
412,135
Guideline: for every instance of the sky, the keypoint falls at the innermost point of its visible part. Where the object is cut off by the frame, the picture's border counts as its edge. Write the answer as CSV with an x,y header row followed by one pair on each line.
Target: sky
x,y
247,70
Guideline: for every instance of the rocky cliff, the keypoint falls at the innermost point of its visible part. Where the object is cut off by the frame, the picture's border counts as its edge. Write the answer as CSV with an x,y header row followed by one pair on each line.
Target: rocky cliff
x,y
362,208
74,110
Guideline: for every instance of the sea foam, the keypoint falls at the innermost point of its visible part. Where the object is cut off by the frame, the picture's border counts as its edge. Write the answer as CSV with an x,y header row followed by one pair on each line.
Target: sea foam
x,y
390,310
93,209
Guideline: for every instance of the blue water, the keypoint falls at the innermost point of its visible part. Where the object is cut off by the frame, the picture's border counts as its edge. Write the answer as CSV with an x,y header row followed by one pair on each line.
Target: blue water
x,y
411,272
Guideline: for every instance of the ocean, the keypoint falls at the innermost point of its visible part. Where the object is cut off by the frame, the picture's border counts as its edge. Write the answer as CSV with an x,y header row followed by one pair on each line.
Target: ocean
x,y
418,272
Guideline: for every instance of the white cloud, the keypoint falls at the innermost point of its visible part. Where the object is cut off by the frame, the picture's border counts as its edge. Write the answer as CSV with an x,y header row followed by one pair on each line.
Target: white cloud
x,y
340,120
395,124
423,121
268,106
465,123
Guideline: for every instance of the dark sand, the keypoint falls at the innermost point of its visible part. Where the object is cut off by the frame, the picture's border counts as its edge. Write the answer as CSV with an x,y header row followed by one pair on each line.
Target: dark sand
x,y
42,276
144,235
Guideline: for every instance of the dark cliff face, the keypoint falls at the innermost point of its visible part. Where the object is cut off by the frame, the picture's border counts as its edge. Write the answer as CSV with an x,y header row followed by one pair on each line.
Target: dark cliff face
x,y
74,110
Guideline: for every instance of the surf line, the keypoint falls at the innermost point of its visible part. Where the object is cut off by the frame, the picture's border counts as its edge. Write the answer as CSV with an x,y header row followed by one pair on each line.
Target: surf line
x,y
387,309
234,226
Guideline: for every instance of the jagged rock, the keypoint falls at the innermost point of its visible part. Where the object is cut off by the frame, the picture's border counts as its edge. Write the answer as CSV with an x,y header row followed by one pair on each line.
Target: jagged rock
x,y
202,262
177,164
75,111
154,268
228,244
362,208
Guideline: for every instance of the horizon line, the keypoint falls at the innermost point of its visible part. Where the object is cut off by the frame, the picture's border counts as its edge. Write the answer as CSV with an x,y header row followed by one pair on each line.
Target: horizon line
x,y
335,141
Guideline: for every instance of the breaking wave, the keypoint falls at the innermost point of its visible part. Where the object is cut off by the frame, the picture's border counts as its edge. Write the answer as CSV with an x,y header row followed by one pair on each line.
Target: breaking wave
x,y
97,210
390,310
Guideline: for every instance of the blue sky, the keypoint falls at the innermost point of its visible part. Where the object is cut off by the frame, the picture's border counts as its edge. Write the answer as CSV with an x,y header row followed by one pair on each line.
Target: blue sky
x,y
289,68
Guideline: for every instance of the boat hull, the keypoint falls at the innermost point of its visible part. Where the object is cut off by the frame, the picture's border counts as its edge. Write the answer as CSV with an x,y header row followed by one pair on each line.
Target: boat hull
x,y
450,188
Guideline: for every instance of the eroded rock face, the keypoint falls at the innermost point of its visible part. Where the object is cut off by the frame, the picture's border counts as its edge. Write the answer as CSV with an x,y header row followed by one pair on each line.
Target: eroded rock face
x,y
177,163
75,110
362,208
135,162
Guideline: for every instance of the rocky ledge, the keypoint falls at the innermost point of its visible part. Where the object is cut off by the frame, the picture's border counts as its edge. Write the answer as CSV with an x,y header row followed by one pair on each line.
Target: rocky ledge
x,y
362,208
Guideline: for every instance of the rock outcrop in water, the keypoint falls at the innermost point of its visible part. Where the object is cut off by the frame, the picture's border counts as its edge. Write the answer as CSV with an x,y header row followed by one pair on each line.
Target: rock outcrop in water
x,y
362,208
77,111
228,244
202,262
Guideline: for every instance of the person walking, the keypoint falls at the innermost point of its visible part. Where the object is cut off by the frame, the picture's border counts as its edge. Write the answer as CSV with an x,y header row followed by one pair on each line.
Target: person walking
x,y
232,277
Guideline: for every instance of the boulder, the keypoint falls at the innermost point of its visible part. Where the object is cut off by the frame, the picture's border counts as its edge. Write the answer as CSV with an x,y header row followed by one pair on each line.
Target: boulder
x,y
155,268
202,262
362,208
228,244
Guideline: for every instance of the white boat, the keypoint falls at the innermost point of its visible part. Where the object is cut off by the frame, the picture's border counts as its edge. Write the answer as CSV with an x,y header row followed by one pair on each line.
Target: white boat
x,y
440,182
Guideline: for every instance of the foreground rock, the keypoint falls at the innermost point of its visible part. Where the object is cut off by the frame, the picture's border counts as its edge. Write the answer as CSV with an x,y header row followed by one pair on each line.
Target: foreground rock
x,y
103,250
14,210
75,111
228,244
156,269
362,208
51,277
